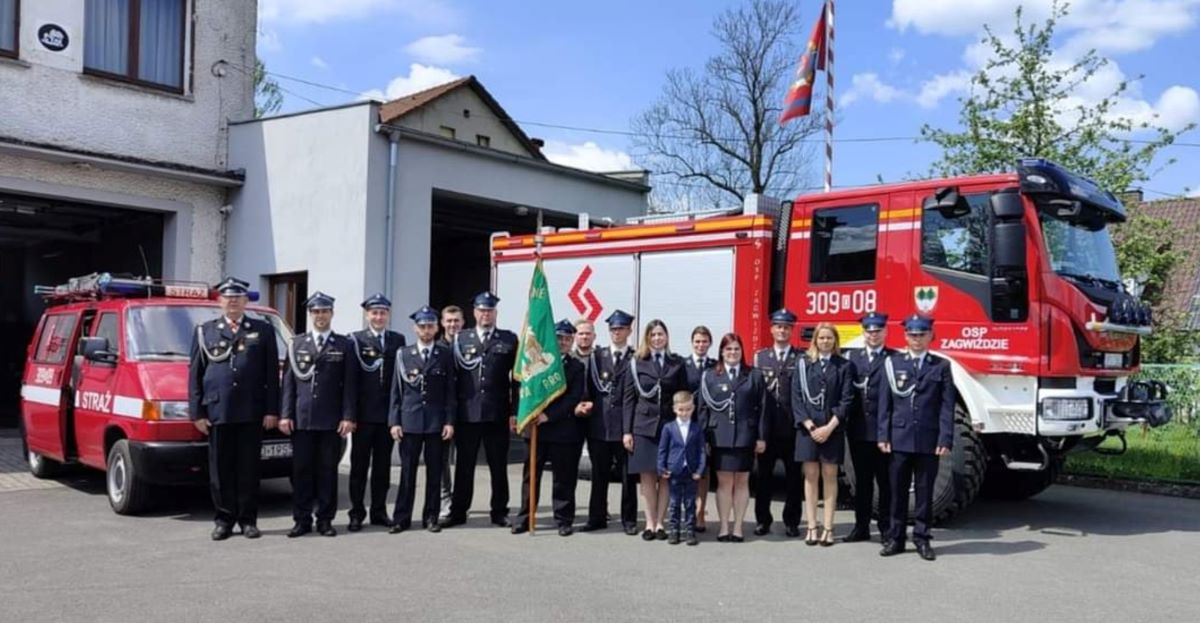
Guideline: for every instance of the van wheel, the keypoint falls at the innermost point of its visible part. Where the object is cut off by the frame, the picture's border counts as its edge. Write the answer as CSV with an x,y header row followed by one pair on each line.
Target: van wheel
x,y
128,492
39,466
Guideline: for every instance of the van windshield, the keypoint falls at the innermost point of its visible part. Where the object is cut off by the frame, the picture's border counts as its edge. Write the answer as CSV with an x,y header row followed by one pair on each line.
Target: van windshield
x,y
164,332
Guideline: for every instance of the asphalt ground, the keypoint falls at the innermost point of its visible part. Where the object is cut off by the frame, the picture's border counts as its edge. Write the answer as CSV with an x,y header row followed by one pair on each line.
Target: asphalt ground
x,y
1070,554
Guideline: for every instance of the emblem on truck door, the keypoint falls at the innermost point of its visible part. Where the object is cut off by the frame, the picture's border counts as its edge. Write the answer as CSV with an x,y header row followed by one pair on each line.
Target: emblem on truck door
x,y
926,298
583,298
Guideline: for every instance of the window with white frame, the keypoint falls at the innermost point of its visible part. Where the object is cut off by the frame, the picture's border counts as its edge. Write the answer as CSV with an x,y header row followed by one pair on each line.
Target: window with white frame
x,y
139,41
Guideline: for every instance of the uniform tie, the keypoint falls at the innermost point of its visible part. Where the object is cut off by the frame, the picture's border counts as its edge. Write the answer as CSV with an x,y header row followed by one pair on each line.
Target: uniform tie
x,y
658,361
487,335
320,341
424,354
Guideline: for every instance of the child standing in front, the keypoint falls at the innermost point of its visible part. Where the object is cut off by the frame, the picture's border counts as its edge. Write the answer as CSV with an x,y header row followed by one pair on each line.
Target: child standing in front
x,y
681,460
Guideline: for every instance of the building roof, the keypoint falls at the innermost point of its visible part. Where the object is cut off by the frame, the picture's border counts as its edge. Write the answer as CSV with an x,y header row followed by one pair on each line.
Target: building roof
x,y
1184,216
398,108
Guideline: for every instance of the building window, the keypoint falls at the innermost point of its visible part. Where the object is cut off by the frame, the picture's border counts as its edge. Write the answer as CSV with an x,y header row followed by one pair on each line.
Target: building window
x,y
288,293
483,141
843,244
140,41
447,131
959,242
9,27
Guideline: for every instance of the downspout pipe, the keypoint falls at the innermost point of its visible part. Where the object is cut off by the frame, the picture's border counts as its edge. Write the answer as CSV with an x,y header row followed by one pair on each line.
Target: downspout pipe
x,y
389,222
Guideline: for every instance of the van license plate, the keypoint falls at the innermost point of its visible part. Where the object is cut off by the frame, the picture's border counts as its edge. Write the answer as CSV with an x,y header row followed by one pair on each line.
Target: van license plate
x,y
276,450
1114,360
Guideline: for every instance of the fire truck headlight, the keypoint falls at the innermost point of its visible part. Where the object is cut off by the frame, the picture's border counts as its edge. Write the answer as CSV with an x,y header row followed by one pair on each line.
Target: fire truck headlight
x,y
165,410
1067,409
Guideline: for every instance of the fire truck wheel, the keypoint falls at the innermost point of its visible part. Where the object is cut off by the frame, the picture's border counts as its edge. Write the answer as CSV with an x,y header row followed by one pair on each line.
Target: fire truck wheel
x,y
962,471
1006,484
128,492
39,466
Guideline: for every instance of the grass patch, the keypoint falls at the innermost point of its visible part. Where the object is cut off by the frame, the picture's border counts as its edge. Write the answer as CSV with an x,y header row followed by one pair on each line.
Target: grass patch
x,y
1170,452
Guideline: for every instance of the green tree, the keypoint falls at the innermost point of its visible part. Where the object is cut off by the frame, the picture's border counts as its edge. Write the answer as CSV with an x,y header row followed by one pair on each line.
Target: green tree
x,y
268,97
1022,104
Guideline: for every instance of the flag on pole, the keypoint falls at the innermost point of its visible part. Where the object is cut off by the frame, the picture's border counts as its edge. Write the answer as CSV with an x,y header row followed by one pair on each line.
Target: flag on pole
x,y
798,102
539,366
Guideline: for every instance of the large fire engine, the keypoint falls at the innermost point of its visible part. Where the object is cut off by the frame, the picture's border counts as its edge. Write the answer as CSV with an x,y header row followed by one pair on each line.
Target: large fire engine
x,y
106,381
1018,270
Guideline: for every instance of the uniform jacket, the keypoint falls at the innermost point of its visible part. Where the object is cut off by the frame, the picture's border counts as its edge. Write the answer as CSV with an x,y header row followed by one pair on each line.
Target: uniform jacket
x,y
645,416
562,425
605,390
836,382
694,371
331,394
682,457
240,383
777,379
375,386
741,423
924,420
486,392
423,396
864,413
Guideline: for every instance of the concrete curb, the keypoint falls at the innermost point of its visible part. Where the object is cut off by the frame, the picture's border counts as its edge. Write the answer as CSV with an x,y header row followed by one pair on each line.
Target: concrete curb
x,y
1155,487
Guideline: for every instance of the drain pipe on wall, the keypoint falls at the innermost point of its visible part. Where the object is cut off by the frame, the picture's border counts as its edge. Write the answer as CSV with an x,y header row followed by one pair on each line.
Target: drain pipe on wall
x,y
389,223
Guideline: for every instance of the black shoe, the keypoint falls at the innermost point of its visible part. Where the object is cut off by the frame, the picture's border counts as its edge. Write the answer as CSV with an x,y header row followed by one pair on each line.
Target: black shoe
x,y
810,537
502,522
762,529
251,532
660,534
379,520
891,548
691,539
221,532
592,527
433,527
631,530
673,539
856,535
299,529
647,535
723,538
326,529
397,528
792,531
450,522
700,527
925,550
566,530
355,524
735,538
520,528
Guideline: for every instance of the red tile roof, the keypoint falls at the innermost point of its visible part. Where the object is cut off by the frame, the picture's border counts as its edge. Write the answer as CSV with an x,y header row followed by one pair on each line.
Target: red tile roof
x,y
1184,216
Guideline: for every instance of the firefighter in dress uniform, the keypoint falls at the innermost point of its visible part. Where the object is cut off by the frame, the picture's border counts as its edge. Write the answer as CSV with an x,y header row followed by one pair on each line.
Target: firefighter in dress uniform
x,y
560,435
694,365
320,399
870,465
233,395
371,444
422,417
487,395
776,363
452,323
916,427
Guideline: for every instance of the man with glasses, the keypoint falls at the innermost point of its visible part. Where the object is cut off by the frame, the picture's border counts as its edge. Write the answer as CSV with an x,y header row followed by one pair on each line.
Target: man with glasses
x,y
916,427
870,464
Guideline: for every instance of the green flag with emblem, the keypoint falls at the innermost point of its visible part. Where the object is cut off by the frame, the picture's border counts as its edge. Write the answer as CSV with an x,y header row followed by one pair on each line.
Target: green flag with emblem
x,y
539,366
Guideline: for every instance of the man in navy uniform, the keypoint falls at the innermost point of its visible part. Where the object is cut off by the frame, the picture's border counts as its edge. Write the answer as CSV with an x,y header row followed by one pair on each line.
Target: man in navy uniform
x,y
233,395
776,362
560,441
422,417
320,402
374,361
870,465
452,324
916,427
487,396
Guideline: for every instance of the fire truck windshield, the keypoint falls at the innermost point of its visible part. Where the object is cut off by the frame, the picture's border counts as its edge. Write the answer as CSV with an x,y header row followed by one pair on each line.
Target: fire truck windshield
x,y
1080,246
165,332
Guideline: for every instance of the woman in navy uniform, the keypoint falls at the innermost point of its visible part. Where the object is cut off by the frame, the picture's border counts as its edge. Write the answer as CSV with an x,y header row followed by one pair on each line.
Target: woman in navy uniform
x,y
776,363
371,444
822,394
654,375
695,365
916,427
870,465
421,417
233,395
731,409
560,437
320,401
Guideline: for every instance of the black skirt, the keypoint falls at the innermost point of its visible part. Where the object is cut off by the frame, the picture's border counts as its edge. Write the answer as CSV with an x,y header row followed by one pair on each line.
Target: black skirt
x,y
645,455
733,459
832,452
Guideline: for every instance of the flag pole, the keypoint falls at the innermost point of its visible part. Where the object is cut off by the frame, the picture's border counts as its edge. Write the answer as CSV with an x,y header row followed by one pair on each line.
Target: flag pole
x,y
828,95
533,475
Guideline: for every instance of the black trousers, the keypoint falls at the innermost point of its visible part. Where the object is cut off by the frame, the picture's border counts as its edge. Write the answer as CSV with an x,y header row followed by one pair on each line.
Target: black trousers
x,y
411,446
610,463
919,470
493,436
779,448
233,468
870,469
370,448
564,466
315,475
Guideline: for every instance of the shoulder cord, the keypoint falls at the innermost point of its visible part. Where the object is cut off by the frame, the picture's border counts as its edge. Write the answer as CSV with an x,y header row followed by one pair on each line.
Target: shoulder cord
x,y
648,395
302,376
605,388
802,372
716,405
208,353
364,365
466,364
416,382
891,377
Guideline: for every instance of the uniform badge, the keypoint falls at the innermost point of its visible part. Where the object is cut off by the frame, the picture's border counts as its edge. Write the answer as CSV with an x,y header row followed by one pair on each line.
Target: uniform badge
x,y
306,358
241,347
902,377
220,325
252,336
724,387
471,350
770,373
223,344
370,352
604,375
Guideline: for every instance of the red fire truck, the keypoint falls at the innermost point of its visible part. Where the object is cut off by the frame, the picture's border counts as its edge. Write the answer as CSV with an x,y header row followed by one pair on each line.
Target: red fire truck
x,y
105,385
1018,270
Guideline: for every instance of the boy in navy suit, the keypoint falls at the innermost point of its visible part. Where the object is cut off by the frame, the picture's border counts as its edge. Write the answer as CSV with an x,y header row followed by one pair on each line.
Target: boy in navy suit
x,y
681,459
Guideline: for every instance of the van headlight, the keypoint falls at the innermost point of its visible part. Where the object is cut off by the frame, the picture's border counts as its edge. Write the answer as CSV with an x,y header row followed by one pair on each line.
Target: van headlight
x,y
165,410
1067,409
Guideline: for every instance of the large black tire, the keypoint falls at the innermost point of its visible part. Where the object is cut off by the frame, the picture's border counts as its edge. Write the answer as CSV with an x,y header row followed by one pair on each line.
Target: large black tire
x,y
128,492
1006,484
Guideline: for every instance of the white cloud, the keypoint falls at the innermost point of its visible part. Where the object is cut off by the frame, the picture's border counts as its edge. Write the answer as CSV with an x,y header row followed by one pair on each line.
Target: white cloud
x,y
938,87
322,11
1175,109
868,86
319,63
931,93
1193,191
442,50
895,55
955,17
419,78
588,156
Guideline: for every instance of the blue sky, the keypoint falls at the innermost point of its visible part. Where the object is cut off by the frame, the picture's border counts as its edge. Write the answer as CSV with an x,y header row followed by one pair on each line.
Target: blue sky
x,y
900,63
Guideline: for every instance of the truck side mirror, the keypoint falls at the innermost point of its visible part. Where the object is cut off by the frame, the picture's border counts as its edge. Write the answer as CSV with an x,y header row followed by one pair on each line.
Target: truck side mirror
x,y
948,202
97,349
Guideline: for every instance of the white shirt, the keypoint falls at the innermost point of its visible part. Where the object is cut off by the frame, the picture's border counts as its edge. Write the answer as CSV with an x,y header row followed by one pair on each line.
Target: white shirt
x,y
919,358
732,371
480,331
424,348
380,335
320,338
781,355
234,324
683,432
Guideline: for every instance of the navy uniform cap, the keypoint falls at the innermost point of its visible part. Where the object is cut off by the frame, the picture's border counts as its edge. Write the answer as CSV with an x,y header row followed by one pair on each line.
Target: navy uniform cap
x,y
424,315
783,316
377,300
232,286
874,320
319,300
564,327
486,300
917,322
619,320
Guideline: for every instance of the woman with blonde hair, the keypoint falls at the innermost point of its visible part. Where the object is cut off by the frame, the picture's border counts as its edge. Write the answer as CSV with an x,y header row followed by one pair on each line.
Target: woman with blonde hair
x,y
822,393
654,375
